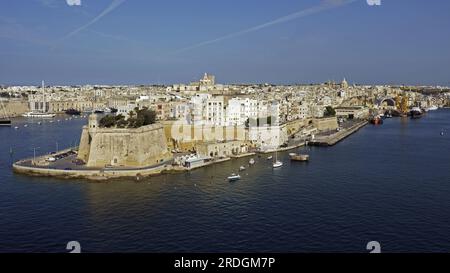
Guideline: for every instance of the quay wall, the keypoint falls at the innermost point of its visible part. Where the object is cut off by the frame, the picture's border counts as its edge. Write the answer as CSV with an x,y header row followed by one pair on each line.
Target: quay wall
x,y
102,174
13,108
134,148
337,137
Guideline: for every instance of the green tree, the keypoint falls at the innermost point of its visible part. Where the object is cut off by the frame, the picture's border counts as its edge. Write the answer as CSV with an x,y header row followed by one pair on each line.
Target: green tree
x,y
329,112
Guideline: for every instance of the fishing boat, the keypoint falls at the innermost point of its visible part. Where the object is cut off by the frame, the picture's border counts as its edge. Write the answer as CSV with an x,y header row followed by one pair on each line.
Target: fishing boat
x,y
234,177
299,157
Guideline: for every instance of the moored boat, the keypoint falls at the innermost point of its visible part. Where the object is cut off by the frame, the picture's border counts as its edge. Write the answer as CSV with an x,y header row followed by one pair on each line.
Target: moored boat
x,y
299,157
376,120
73,112
234,177
38,115
416,113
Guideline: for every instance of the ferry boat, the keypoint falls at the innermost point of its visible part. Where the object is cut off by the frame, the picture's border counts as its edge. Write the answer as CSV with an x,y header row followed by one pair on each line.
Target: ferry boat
x,y
299,157
234,177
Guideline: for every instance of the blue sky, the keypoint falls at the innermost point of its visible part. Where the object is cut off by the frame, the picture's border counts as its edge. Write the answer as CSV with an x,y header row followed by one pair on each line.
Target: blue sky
x,y
144,42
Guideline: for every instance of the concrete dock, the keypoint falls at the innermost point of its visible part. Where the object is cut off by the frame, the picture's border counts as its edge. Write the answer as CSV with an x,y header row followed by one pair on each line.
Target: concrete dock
x,y
334,138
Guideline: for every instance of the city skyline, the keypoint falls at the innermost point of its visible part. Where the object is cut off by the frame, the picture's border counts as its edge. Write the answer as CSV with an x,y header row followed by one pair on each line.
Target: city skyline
x,y
129,42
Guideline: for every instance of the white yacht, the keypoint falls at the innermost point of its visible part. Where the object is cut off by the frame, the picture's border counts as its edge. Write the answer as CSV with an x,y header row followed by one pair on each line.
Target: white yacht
x,y
43,113
38,115
277,163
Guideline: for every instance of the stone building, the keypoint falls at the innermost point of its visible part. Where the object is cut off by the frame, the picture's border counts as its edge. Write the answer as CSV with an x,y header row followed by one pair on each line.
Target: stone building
x,y
129,148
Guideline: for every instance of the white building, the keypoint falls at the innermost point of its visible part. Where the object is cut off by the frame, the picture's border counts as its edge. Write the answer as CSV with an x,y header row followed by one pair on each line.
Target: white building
x,y
215,111
239,110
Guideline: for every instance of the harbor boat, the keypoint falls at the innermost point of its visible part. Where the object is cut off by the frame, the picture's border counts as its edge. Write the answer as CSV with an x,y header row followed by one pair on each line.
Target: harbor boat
x,y
269,157
73,112
5,122
234,177
277,163
38,115
432,108
43,112
299,157
416,113
242,168
251,162
376,120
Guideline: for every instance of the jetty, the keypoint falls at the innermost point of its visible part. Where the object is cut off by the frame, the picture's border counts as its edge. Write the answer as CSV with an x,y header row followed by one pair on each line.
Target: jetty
x,y
331,139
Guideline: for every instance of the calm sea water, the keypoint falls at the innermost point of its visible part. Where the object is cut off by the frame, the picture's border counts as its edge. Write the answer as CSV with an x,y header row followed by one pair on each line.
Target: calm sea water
x,y
389,183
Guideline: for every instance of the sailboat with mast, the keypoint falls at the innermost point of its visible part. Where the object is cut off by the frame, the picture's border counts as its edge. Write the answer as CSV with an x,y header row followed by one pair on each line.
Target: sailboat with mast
x,y
43,113
277,163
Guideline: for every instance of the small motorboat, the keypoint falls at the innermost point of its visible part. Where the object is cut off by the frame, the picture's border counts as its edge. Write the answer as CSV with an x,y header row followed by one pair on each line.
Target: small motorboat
x,y
269,157
242,168
251,162
234,177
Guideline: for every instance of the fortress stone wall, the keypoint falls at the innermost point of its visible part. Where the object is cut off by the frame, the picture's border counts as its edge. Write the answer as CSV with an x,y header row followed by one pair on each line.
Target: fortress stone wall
x,y
134,148
13,108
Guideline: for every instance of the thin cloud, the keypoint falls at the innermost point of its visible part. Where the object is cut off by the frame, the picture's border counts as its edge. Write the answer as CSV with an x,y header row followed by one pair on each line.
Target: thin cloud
x,y
73,2
324,5
114,4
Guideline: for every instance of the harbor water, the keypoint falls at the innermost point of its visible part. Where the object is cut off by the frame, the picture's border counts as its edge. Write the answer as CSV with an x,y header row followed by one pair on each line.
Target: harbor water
x,y
388,183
